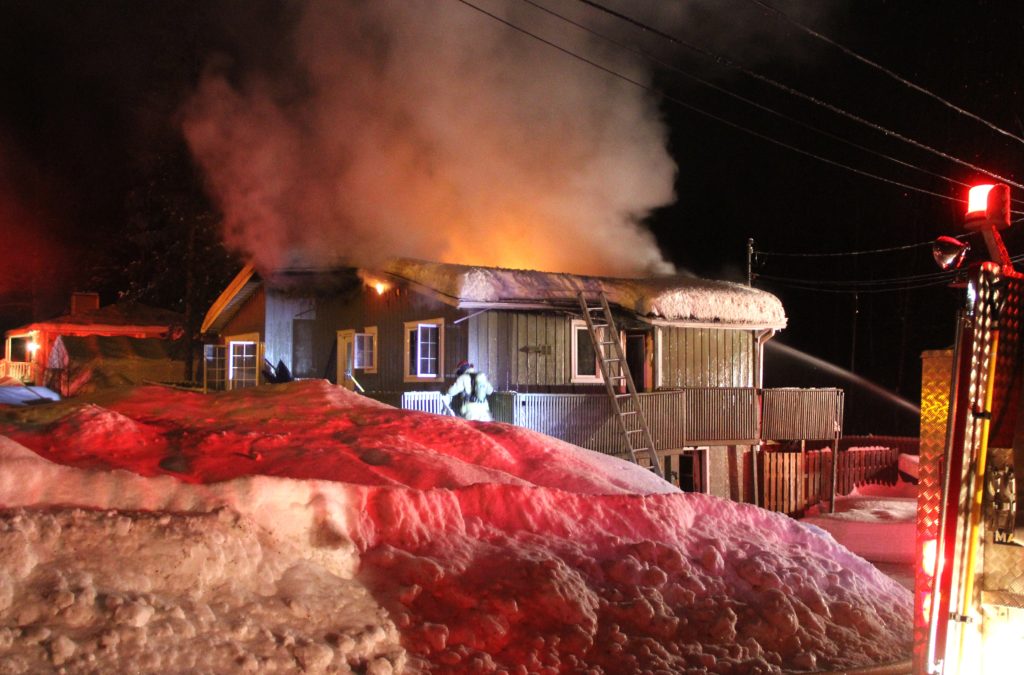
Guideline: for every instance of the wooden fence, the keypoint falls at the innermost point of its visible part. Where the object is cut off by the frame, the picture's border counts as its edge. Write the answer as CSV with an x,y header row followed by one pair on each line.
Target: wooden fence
x,y
792,481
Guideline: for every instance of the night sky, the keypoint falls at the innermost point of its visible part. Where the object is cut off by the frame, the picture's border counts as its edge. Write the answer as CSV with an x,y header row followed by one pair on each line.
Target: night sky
x,y
90,141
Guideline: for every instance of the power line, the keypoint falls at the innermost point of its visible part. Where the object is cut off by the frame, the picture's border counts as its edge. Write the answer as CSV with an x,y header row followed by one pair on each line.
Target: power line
x,y
886,71
863,283
853,286
856,291
837,254
704,113
750,102
795,92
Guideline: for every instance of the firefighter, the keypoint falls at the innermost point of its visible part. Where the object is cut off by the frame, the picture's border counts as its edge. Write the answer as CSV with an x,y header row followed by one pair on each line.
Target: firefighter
x,y
468,395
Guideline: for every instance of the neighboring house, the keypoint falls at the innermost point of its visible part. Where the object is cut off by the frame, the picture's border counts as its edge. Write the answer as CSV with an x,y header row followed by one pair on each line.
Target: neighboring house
x,y
93,346
693,346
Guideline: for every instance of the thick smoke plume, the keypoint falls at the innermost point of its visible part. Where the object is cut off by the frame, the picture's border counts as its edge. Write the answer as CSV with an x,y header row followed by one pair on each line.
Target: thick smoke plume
x,y
423,128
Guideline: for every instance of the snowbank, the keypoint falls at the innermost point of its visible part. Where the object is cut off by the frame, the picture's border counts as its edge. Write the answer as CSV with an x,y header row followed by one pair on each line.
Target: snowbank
x,y
877,522
301,526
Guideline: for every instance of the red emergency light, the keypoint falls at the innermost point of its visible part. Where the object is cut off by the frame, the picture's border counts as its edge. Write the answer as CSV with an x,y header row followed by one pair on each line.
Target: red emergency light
x,y
988,206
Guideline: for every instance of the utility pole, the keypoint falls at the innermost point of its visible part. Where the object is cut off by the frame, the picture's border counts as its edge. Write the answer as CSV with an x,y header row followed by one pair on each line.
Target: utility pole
x,y
750,262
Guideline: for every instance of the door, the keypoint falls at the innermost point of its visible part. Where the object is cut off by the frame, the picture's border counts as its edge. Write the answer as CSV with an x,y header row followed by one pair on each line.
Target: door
x,y
243,364
346,357
636,359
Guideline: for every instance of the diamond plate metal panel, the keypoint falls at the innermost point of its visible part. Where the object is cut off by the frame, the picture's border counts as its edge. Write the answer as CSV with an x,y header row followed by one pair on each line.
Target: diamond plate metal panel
x,y
1003,571
1009,360
936,372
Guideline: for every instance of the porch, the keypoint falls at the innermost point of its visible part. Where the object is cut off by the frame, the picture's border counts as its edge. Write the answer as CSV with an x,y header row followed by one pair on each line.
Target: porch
x,y
693,428
18,370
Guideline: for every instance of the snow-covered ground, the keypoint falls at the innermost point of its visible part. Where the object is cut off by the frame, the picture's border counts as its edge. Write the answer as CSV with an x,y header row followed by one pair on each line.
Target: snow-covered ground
x,y
879,523
302,527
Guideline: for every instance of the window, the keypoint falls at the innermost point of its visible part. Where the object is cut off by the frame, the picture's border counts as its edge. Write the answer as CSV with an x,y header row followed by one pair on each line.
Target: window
x,y
424,351
584,358
242,364
366,350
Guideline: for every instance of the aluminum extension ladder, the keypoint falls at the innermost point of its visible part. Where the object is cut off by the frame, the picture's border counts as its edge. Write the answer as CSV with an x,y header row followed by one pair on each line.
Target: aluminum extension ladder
x,y
615,372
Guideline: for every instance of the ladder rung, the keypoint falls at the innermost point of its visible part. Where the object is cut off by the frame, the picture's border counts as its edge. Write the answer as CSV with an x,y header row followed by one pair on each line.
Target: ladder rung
x,y
623,396
627,412
611,359
606,342
634,431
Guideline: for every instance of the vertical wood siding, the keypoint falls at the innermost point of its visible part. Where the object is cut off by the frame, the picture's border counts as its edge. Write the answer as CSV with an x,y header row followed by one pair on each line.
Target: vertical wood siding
x,y
705,357
357,308
517,350
522,349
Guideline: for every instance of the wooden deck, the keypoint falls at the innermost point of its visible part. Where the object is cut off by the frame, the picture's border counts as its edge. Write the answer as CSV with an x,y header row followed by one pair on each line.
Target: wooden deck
x,y
679,418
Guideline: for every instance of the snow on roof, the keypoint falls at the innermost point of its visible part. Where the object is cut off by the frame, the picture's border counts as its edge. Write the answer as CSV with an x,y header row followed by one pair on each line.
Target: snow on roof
x,y
121,317
679,298
672,298
303,524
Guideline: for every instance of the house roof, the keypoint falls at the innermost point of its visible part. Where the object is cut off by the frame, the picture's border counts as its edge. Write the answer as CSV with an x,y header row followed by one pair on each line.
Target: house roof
x,y
675,299
123,318
671,299
231,299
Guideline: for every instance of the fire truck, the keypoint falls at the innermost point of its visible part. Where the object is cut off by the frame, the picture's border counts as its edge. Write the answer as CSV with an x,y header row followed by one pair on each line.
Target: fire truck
x,y
969,581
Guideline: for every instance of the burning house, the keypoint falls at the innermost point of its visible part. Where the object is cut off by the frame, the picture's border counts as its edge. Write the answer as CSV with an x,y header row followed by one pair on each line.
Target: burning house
x,y
692,349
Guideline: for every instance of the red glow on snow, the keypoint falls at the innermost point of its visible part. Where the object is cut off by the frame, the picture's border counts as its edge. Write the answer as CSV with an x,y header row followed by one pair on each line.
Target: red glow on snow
x,y
488,544
977,198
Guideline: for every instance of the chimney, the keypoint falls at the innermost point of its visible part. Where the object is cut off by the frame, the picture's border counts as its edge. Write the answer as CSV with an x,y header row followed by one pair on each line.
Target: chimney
x,y
84,302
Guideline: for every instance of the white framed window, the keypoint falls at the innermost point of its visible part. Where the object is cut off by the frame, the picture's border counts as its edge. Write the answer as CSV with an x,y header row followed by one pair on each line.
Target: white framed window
x,y
424,351
584,358
366,350
244,357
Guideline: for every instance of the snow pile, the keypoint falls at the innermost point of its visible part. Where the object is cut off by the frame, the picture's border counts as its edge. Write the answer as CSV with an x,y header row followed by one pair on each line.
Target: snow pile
x,y
668,297
109,591
878,522
302,527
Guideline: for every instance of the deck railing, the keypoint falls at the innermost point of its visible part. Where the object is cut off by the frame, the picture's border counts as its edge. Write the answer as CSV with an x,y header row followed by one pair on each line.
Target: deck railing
x,y
681,418
19,370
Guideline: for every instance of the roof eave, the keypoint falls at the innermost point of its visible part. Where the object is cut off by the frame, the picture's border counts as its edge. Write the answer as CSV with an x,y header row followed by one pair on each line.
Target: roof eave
x,y
241,288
